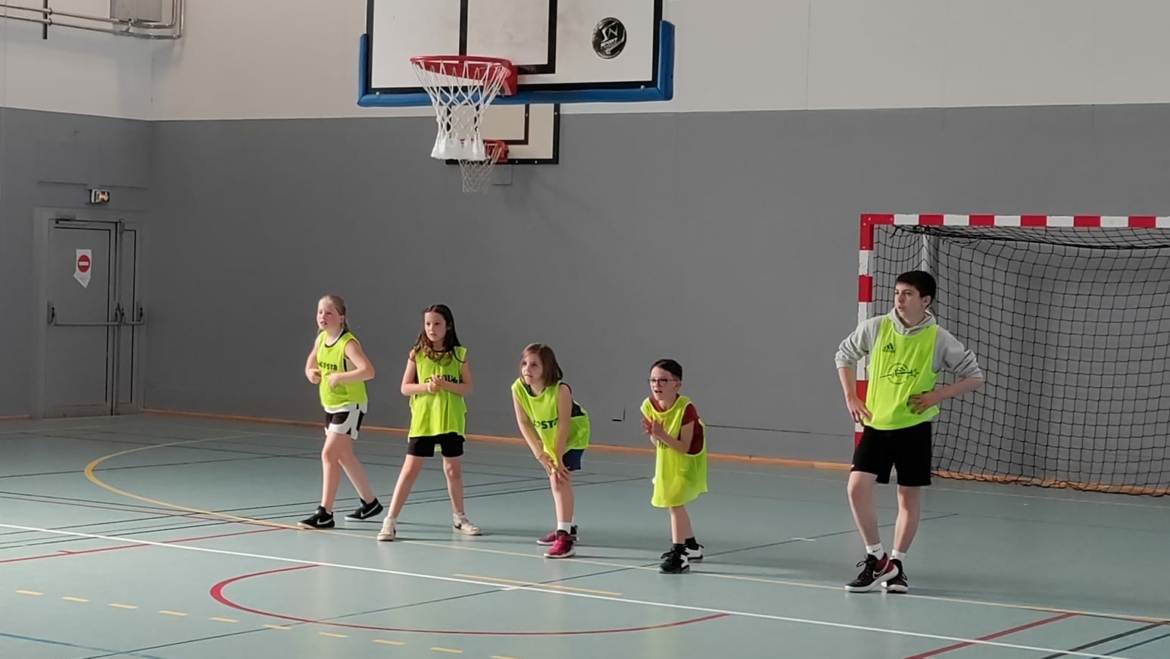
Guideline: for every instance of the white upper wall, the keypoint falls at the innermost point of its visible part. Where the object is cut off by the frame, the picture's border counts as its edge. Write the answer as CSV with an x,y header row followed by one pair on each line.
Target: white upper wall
x,y
73,71
956,53
253,59
853,54
244,59
733,55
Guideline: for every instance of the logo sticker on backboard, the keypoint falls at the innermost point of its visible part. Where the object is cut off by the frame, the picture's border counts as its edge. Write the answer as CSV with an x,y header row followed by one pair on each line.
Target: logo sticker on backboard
x,y
609,38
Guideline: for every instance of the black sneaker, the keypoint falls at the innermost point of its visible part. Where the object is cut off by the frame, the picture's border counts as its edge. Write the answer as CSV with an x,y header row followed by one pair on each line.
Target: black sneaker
x,y
675,561
898,584
322,519
365,511
874,571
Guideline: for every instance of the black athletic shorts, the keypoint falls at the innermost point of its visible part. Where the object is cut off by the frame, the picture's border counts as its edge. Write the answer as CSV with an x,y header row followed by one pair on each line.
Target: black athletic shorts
x,y
907,450
424,447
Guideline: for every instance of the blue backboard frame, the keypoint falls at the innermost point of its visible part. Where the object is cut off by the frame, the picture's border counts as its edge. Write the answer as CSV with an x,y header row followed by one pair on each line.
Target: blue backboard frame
x,y
661,89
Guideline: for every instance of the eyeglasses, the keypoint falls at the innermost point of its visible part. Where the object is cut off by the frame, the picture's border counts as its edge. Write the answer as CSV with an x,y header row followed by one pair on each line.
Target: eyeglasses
x,y
662,380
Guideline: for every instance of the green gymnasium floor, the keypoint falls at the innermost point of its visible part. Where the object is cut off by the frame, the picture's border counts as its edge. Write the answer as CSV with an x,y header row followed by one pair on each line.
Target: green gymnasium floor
x,y
174,538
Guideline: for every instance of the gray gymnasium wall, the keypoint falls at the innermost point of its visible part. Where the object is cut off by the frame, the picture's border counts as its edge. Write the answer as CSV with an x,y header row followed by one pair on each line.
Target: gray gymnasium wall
x,y
726,241
49,159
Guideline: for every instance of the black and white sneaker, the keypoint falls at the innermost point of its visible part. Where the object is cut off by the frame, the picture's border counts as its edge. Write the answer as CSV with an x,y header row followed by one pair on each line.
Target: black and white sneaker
x,y
874,572
898,584
460,523
675,561
694,553
365,511
322,519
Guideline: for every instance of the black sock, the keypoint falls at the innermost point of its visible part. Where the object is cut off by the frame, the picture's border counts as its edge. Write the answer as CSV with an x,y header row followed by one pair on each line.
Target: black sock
x,y
678,547
691,543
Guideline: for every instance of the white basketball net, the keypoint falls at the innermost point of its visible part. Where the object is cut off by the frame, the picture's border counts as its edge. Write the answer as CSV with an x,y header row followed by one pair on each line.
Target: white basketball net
x,y
477,173
461,89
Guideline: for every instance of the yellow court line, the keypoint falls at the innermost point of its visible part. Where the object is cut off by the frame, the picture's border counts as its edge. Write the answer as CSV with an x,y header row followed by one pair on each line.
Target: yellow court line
x,y
177,614
448,650
128,607
90,474
517,441
28,592
332,635
91,469
535,584
280,627
224,620
383,641
75,599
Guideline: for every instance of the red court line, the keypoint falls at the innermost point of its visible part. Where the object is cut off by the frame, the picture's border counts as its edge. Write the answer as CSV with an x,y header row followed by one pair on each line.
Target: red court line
x,y
102,549
217,595
992,637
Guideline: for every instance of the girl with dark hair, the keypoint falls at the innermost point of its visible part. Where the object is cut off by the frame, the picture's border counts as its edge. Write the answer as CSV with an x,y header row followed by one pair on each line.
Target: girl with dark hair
x,y
437,379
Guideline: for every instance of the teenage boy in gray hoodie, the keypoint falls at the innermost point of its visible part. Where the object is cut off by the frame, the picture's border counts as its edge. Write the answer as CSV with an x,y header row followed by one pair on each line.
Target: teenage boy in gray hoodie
x,y
907,351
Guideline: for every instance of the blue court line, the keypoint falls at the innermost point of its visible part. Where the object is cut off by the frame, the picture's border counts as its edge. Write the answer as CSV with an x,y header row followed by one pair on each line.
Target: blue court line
x,y
1148,640
46,641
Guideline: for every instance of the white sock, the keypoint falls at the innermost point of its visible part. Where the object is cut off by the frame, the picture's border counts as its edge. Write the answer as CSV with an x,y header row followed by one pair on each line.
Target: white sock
x,y
876,550
567,527
899,555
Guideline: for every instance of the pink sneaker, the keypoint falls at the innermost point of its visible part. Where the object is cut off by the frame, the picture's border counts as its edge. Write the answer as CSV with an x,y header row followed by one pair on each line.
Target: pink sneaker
x,y
562,546
552,537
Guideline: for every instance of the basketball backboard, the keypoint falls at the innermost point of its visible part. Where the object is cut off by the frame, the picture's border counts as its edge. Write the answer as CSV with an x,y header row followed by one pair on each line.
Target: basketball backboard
x,y
532,132
567,51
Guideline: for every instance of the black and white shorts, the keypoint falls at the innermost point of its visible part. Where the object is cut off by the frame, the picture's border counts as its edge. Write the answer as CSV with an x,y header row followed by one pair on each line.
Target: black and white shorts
x,y
345,420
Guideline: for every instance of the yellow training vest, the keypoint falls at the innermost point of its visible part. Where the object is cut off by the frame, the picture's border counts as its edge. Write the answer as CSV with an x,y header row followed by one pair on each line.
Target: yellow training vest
x,y
442,412
331,359
543,414
900,367
678,478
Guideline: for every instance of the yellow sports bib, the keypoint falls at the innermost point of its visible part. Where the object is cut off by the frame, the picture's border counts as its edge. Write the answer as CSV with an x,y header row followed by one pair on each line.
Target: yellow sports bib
x,y
543,414
900,367
678,478
444,411
331,359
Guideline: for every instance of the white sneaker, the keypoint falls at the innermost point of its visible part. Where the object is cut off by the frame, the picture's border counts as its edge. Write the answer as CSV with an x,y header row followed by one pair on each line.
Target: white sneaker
x,y
389,529
463,525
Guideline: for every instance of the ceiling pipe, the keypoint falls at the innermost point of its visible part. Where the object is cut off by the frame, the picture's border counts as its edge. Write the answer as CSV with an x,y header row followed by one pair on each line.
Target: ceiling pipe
x,y
170,30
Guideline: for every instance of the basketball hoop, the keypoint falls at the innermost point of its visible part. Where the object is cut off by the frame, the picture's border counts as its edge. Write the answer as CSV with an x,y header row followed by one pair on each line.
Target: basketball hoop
x,y
461,88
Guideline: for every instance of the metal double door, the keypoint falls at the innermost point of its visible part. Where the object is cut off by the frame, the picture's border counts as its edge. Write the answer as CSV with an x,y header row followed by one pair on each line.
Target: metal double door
x,y
93,321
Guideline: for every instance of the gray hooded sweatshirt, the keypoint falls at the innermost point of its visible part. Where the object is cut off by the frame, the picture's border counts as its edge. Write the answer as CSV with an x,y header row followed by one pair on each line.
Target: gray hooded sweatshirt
x,y
949,354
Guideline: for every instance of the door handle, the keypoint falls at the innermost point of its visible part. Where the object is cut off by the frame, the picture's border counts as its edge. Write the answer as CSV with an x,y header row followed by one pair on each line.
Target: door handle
x,y
52,318
139,317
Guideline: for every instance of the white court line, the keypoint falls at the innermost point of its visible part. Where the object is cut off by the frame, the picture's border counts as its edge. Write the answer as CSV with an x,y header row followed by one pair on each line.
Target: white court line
x,y
34,431
622,600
